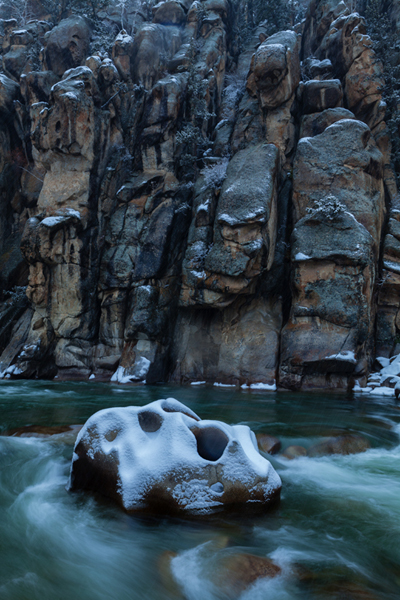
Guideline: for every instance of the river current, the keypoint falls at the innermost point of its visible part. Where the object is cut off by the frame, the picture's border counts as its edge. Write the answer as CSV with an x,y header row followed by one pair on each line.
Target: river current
x,y
335,534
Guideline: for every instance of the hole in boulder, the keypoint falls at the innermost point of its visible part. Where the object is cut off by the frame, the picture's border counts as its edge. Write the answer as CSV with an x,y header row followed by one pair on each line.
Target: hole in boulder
x,y
58,126
211,442
149,421
217,487
111,435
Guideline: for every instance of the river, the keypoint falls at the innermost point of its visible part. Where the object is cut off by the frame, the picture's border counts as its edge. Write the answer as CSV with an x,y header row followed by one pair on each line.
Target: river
x,y
335,534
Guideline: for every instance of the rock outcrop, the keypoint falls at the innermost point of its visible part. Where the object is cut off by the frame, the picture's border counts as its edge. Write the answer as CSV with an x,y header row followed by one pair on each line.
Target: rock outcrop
x,y
189,206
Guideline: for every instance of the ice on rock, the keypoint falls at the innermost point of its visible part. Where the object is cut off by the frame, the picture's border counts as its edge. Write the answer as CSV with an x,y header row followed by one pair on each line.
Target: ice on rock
x,y
163,457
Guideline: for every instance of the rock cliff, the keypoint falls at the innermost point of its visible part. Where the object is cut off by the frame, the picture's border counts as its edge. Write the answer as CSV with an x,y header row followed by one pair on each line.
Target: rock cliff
x,y
190,204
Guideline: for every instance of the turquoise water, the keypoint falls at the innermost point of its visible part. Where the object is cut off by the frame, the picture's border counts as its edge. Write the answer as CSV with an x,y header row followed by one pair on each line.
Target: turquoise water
x,y
335,535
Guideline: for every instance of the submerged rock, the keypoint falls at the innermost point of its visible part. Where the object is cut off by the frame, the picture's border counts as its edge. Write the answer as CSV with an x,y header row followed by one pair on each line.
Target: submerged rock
x,y
229,572
268,443
42,431
292,452
163,457
343,444
238,571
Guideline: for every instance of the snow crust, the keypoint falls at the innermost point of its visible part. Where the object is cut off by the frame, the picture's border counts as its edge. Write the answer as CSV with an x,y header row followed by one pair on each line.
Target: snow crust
x,y
225,385
52,221
389,373
346,355
301,256
260,386
142,366
169,456
391,266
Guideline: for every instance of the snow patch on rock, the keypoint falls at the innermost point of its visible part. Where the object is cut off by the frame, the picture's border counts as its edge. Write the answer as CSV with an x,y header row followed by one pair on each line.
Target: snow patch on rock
x,y
164,450
386,381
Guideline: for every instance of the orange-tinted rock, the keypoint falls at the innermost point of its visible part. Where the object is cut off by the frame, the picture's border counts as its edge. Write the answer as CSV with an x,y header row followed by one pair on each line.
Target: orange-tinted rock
x,y
242,242
335,243
42,431
268,443
344,444
314,124
292,452
237,572
275,69
165,573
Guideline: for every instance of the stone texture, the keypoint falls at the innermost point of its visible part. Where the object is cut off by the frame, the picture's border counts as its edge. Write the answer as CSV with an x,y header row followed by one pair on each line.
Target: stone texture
x,y
9,91
223,259
320,95
67,45
316,123
226,260
345,444
343,161
151,42
292,452
268,443
238,345
275,69
328,336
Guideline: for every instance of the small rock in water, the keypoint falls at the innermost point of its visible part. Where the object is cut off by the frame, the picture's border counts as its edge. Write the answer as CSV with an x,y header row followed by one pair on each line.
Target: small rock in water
x,y
238,571
165,573
294,452
344,444
42,431
268,443
335,583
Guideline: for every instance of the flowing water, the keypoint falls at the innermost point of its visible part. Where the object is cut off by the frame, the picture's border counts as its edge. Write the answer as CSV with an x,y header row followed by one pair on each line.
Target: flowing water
x,y
335,534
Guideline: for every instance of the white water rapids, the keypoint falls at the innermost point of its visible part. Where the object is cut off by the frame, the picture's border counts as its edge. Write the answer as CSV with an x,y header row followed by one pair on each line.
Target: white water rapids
x,y
336,532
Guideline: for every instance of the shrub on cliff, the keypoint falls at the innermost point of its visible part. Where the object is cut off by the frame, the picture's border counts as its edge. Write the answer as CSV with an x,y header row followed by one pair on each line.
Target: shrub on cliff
x,y
327,209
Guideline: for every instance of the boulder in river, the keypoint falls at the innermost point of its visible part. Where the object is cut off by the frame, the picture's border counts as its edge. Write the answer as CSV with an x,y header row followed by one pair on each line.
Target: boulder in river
x,y
343,444
292,452
268,443
163,458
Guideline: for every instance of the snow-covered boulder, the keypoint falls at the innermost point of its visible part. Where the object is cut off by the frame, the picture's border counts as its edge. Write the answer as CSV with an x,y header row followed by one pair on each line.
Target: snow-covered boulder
x,y
163,457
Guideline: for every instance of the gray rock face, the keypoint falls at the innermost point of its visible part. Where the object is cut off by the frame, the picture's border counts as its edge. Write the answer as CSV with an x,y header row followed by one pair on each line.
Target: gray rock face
x,y
238,345
275,69
320,95
334,250
179,210
238,243
67,45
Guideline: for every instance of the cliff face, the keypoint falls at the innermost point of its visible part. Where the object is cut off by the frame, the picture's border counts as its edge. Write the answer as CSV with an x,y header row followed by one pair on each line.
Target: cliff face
x,y
190,212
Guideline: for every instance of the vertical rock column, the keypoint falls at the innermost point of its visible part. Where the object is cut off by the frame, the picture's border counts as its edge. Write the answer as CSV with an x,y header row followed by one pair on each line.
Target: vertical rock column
x,y
338,209
69,135
231,336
